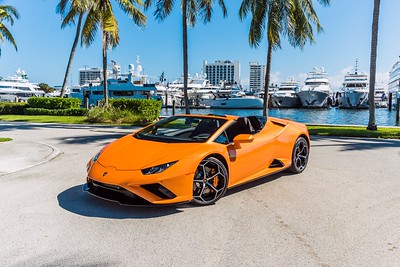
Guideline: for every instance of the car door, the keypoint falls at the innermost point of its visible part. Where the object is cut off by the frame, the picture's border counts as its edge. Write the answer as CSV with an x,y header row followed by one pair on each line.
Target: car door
x,y
248,158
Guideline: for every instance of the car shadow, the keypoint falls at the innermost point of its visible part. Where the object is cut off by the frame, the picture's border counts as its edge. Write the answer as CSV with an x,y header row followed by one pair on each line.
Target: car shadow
x,y
77,201
349,144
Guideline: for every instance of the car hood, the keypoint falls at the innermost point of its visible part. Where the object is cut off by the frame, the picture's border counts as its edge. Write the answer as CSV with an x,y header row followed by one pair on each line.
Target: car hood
x,y
129,153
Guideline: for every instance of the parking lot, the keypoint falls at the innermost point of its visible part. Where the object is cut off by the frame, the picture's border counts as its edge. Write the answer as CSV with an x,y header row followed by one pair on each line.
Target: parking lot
x,y
344,210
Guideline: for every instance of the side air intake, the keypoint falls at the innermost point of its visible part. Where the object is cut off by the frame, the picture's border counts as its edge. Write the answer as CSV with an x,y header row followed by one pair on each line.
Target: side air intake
x,y
276,164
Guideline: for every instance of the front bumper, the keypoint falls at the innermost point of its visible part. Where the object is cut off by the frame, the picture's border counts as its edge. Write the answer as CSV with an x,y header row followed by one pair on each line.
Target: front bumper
x,y
111,193
134,188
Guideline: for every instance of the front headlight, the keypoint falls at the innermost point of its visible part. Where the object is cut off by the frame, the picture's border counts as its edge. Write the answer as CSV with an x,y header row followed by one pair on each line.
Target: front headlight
x,y
158,169
95,157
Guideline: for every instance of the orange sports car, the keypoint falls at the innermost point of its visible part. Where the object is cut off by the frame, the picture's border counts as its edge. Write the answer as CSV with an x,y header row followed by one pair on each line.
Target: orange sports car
x,y
195,158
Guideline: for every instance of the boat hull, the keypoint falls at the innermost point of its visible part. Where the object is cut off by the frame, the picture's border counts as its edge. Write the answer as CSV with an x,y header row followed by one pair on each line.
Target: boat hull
x,y
285,102
234,103
313,99
354,100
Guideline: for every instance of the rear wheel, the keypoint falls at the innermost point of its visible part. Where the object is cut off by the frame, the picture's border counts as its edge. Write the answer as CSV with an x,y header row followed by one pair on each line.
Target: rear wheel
x,y
300,155
210,181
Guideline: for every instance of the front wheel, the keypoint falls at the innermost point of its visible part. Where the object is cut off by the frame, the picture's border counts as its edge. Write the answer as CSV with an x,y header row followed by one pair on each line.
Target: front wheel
x,y
300,155
210,181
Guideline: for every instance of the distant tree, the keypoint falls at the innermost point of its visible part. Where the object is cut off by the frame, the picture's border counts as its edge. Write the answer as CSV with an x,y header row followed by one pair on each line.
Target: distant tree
x,y
293,18
191,10
7,14
70,10
46,88
372,68
101,15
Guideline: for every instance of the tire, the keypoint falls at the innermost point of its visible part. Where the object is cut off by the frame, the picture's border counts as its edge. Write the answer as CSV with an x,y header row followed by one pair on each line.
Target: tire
x,y
300,155
210,181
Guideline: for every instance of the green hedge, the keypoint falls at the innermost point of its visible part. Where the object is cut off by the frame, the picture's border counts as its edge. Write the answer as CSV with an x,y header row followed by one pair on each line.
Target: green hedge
x,y
56,112
54,103
12,108
147,109
130,111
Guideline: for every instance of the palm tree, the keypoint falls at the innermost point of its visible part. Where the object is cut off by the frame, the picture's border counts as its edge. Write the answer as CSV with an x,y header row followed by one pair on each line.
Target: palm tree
x,y
7,13
191,10
372,68
76,8
101,15
293,18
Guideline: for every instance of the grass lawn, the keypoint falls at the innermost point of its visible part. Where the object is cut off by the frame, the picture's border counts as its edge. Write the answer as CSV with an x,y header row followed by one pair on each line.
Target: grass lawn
x,y
3,139
355,131
45,118
347,131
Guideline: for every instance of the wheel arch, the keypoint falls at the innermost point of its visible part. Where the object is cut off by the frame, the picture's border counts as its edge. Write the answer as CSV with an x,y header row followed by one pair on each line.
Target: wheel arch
x,y
220,158
305,137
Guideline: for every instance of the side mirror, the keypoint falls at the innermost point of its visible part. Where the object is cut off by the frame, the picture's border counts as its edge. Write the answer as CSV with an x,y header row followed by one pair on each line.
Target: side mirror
x,y
242,138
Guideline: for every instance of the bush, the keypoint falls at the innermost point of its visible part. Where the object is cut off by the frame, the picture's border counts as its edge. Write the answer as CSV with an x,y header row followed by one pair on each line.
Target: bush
x,y
130,111
54,103
56,112
112,115
11,108
146,109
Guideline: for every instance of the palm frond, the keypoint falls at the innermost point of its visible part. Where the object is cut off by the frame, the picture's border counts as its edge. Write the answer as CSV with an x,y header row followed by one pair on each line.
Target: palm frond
x,y
192,12
137,16
205,10
245,8
90,27
5,34
69,18
62,6
7,13
163,9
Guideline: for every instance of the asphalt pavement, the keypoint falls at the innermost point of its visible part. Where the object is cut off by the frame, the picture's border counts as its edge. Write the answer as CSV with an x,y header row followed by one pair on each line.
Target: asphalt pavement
x,y
343,210
19,155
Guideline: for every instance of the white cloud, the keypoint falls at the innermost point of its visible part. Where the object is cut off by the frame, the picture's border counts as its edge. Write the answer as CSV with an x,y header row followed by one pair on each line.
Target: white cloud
x,y
275,77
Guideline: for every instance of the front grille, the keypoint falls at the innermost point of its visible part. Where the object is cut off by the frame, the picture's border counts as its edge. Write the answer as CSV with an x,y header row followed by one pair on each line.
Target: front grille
x,y
114,193
107,186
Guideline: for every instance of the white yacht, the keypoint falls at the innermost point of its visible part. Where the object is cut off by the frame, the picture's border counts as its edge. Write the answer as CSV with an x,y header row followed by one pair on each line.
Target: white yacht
x,y
227,101
169,96
316,91
381,96
17,88
394,82
120,85
199,89
286,95
354,91
233,97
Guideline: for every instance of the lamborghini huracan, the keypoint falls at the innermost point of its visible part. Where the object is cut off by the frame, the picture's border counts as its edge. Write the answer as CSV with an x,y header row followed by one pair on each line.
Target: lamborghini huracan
x,y
195,158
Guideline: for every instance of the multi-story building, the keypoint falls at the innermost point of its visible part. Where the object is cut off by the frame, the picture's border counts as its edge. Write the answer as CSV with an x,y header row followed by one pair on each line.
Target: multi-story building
x,y
257,77
90,75
222,71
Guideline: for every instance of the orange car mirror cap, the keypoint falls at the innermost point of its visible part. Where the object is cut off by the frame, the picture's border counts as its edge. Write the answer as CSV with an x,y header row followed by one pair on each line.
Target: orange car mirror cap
x,y
242,138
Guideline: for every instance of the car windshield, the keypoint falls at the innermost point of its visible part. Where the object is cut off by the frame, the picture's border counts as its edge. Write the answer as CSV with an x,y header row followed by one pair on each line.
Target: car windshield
x,y
181,129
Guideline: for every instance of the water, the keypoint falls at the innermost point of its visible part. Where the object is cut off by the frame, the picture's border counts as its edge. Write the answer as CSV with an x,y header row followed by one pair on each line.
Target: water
x,y
383,116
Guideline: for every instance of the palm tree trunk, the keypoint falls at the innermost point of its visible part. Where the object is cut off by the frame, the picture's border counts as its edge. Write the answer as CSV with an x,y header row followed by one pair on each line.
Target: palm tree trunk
x,y
71,55
267,78
372,70
185,55
105,91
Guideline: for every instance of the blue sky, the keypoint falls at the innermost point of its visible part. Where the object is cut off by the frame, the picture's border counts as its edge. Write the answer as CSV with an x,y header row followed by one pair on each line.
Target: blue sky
x,y
43,47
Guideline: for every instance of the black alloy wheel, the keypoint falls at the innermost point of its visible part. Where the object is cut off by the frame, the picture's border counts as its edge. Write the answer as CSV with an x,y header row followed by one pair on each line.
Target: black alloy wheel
x,y
300,155
210,181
